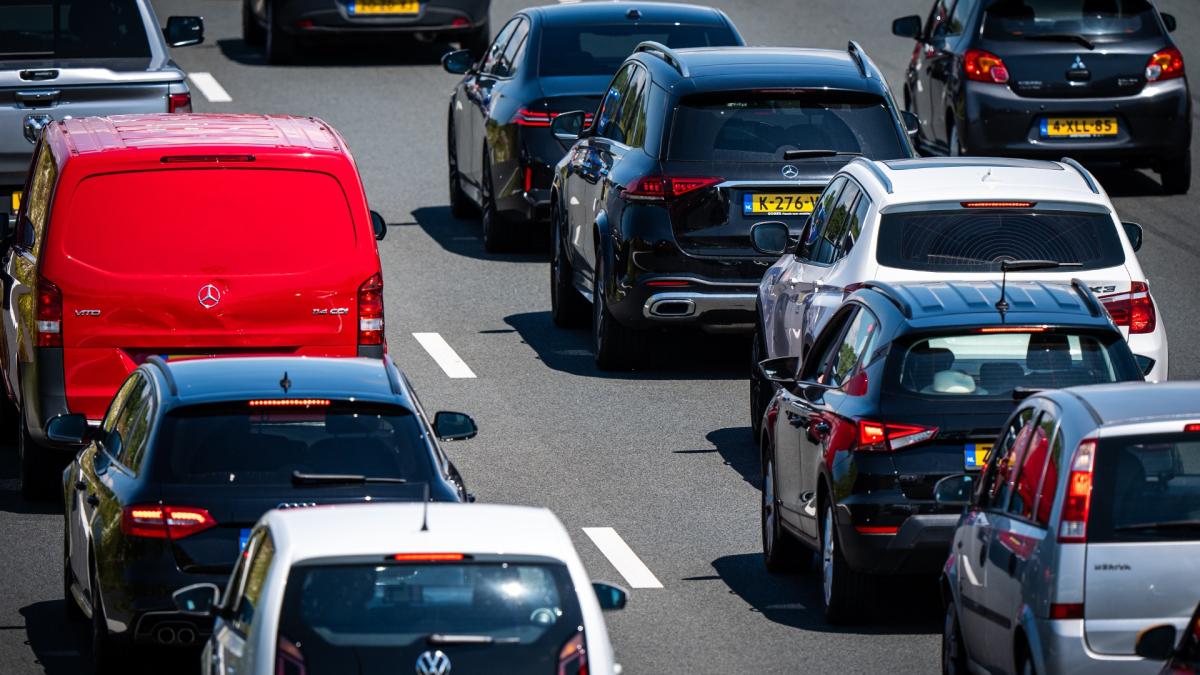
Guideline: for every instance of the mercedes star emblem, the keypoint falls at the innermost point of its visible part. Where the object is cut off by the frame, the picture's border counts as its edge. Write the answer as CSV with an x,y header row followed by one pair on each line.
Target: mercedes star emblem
x,y
209,296
433,663
790,171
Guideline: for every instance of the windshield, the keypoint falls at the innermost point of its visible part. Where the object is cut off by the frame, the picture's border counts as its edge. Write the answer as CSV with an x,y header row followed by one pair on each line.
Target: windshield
x,y
977,240
485,616
229,444
1147,488
601,49
748,126
1115,19
72,29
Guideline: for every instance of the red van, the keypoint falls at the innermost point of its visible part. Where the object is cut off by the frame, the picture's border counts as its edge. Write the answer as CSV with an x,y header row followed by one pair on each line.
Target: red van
x,y
179,236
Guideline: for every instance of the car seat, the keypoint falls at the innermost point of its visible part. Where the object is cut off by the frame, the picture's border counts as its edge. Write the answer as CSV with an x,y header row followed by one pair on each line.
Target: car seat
x,y
924,362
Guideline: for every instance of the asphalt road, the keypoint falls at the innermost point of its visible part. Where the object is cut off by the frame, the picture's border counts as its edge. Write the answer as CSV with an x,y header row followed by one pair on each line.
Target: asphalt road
x,y
664,456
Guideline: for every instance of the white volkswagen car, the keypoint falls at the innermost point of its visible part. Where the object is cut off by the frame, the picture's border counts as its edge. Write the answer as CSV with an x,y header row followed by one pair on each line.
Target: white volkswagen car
x,y
959,218
402,588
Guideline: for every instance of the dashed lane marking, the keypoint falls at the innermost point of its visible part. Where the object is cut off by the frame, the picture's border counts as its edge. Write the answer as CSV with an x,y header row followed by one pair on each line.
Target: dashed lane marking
x,y
444,355
636,574
208,85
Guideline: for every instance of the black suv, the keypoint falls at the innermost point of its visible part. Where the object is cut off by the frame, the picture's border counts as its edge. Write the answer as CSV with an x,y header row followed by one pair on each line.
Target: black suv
x,y
653,205
1098,80
905,385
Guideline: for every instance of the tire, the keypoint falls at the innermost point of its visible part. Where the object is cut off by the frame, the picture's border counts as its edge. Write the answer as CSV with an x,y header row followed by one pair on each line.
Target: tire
x,y
460,204
253,34
280,47
760,389
496,233
844,591
782,554
477,41
108,655
567,307
1176,175
954,653
614,344
70,607
36,465
1025,662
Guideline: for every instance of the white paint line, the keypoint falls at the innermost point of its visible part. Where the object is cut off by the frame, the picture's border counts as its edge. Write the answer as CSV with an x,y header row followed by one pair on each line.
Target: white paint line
x,y
208,85
444,354
636,574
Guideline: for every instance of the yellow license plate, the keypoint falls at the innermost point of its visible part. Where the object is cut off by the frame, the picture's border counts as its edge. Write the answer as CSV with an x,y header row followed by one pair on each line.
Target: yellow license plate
x,y
16,201
773,204
1078,127
975,454
384,7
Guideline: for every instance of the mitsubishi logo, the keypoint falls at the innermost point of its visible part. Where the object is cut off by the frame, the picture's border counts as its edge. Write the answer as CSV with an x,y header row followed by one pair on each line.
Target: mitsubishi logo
x,y
433,663
209,296
33,125
1078,65
790,171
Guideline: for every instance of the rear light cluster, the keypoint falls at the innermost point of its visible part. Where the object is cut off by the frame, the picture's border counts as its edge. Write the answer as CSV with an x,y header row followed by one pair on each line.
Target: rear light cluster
x,y
572,658
656,188
533,118
370,311
428,557
179,103
164,522
1066,611
1134,309
998,205
49,314
984,66
1165,64
880,437
288,403
1072,527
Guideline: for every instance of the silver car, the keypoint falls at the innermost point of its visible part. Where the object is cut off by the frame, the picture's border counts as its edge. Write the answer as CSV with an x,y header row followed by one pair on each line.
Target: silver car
x,y
1081,531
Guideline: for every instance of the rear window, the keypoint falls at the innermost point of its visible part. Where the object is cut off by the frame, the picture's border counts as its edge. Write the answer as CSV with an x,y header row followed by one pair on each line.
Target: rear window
x,y
749,126
72,29
977,240
380,615
601,49
209,221
1113,19
1147,488
235,443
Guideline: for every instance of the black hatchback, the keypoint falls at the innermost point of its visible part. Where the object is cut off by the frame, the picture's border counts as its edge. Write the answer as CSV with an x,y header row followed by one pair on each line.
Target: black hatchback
x,y
191,454
1098,80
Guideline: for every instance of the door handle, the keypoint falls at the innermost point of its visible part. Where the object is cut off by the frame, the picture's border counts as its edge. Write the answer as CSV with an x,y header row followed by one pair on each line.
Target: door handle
x,y
80,485
93,500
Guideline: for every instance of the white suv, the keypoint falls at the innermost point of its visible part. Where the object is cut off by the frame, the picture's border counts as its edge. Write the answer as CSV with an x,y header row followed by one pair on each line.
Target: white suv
x,y
936,219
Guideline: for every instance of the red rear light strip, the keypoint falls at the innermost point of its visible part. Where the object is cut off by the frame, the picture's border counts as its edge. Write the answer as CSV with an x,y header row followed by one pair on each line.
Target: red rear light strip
x,y
872,436
997,205
49,314
1134,308
1191,428
656,188
370,311
533,118
429,557
288,402
1066,611
982,66
1077,504
165,522
877,529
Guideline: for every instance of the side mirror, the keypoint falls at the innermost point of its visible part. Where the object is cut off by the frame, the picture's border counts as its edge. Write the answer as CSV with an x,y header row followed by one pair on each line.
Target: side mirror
x,y
197,600
954,490
770,237
912,123
568,126
1134,232
379,225
184,31
780,370
907,26
610,596
71,429
458,62
454,426
1169,21
1156,643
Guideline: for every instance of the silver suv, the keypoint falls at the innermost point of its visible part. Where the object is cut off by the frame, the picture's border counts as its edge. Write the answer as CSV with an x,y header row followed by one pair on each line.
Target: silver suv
x,y
1082,530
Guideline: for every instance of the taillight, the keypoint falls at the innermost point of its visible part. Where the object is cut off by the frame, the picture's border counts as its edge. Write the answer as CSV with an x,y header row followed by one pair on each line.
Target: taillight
x,y
49,314
1072,527
179,103
164,522
1066,611
879,437
984,66
288,659
533,118
654,188
572,658
370,311
1134,309
1165,64
528,178
1191,428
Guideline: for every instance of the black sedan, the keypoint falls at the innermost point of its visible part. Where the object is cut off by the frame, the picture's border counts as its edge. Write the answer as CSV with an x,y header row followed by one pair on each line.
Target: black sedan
x,y
545,61
191,454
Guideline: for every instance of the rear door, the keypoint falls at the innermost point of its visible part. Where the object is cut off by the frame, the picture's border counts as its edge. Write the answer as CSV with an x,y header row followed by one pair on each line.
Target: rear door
x,y
478,90
799,281
243,598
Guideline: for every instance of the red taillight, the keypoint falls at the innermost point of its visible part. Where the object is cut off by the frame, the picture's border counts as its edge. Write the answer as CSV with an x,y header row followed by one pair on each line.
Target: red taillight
x,y
1072,527
532,118
1165,64
1134,309
572,658
1191,428
164,522
370,311
1066,611
288,659
984,66
528,178
179,103
997,205
428,557
878,437
49,314
289,403
653,188
877,529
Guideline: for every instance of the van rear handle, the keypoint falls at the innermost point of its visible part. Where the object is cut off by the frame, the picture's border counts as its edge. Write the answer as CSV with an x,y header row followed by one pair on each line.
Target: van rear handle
x,y
39,75
41,97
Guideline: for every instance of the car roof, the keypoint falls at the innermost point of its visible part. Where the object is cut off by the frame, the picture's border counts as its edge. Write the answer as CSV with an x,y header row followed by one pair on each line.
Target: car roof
x,y
384,529
1133,402
723,68
938,304
166,132
618,12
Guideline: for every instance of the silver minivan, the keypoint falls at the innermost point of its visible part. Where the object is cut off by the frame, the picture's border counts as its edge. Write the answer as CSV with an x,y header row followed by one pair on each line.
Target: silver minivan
x,y
1081,531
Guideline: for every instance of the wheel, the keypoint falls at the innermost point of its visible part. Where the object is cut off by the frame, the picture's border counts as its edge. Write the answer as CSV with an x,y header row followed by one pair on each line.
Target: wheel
x,y
477,41
37,465
253,34
70,606
760,389
567,307
1176,174
280,46
844,591
956,147
496,235
108,655
613,342
954,653
1025,662
782,554
460,204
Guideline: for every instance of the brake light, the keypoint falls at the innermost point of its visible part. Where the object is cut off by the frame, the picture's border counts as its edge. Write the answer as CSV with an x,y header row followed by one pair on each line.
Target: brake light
x,y
1066,611
370,311
533,118
984,66
179,103
288,659
428,557
669,283
49,314
1165,64
1191,428
1013,329
528,178
877,529
878,437
1134,309
165,522
655,188
572,658
288,403
998,205
205,159
1072,528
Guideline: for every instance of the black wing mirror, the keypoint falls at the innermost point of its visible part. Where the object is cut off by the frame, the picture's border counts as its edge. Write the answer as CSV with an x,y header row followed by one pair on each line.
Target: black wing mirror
x,y
1169,21
954,490
454,426
610,596
770,237
1134,232
907,26
72,429
184,31
378,225
568,126
780,370
198,600
1157,643
458,62
912,123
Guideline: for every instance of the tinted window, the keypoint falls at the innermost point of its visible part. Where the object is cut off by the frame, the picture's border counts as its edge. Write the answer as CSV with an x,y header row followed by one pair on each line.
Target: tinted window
x,y
957,22
976,240
508,62
1146,488
1114,19
854,227
601,49
828,247
234,443
995,468
496,51
1055,465
856,344
610,108
127,424
937,16
624,128
1033,466
816,365
72,29
255,581
742,126
1006,467
821,213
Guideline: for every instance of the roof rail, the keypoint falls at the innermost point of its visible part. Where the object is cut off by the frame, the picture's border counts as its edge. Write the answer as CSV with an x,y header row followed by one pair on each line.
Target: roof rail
x,y
889,291
393,380
1087,176
857,53
166,372
873,168
1089,298
665,53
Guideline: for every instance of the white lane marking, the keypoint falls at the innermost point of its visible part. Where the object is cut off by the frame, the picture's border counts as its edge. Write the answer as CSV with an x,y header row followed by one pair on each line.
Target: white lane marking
x,y
444,354
636,574
208,85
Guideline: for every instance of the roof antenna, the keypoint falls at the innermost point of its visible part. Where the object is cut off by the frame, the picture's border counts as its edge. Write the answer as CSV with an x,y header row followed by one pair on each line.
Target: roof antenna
x,y
425,510
1002,303
1022,266
285,383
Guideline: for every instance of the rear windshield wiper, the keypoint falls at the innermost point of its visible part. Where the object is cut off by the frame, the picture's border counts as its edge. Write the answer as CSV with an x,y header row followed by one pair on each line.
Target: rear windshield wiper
x,y
805,154
1166,525
1061,37
299,478
447,639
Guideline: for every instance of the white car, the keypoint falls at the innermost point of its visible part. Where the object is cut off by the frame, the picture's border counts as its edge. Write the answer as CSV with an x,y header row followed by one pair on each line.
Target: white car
x,y
953,218
400,588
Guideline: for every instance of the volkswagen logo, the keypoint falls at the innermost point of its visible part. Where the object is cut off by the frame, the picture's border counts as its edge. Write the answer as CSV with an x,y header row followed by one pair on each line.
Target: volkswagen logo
x,y
790,171
34,124
209,296
433,663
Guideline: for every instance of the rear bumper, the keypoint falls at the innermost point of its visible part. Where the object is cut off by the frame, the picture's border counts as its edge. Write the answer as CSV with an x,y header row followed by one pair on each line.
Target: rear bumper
x,y
702,303
920,546
142,605
1154,346
44,394
333,17
1064,650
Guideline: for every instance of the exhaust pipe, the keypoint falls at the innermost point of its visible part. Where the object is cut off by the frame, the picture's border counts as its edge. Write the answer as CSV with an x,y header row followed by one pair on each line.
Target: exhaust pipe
x,y
185,636
165,635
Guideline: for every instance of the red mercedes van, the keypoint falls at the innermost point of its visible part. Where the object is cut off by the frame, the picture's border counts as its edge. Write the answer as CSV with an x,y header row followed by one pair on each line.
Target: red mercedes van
x,y
179,236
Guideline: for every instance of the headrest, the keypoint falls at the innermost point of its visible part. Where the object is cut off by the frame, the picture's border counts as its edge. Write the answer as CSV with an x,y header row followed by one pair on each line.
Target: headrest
x,y
952,382
1000,375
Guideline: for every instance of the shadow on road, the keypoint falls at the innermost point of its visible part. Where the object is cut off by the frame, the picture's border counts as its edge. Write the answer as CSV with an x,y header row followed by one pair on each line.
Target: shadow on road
x,y
11,500
343,53
1127,183
464,237
736,447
